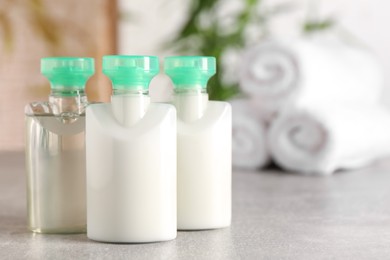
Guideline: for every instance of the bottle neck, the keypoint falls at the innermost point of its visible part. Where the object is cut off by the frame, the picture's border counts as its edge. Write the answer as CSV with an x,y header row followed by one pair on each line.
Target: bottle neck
x,y
65,101
191,103
129,105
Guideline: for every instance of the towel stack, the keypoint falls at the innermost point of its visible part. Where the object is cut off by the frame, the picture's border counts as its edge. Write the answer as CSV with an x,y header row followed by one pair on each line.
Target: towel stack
x,y
250,149
320,101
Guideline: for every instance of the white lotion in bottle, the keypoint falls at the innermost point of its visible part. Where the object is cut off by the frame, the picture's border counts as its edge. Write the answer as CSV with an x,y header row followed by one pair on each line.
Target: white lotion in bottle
x,y
131,158
203,146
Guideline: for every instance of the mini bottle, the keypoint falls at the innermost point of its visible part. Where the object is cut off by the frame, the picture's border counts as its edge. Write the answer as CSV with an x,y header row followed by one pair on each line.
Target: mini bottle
x,y
131,158
203,146
55,149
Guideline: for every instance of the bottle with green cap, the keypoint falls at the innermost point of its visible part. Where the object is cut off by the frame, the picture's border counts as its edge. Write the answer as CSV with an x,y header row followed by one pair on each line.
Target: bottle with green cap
x,y
203,146
131,158
55,149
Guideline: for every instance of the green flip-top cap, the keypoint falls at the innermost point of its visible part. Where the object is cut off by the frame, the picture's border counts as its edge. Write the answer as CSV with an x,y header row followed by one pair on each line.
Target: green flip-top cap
x,y
130,72
67,72
190,71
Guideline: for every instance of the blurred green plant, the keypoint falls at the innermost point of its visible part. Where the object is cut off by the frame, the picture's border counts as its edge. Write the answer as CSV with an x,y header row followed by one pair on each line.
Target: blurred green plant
x,y
311,26
212,29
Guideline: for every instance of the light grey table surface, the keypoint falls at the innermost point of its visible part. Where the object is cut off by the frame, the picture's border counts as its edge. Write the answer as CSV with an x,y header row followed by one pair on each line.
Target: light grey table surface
x,y
275,216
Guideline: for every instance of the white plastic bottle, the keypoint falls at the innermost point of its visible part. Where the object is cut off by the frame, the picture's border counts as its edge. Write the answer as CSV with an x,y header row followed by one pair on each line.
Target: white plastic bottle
x,y
131,158
203,146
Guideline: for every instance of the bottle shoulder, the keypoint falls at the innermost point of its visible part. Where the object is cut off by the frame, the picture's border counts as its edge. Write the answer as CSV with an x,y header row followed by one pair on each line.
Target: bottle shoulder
x,y
220,103
38,108
218,109
46,108
55,124
100,117
154,108
218,114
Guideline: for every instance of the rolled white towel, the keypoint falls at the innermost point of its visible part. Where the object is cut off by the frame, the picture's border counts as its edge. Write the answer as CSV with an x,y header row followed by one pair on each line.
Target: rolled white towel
x,y
279,73
249,138
322,140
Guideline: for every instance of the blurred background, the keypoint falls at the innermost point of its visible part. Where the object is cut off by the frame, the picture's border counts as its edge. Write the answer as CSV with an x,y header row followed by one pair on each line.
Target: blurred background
x,y
236,32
